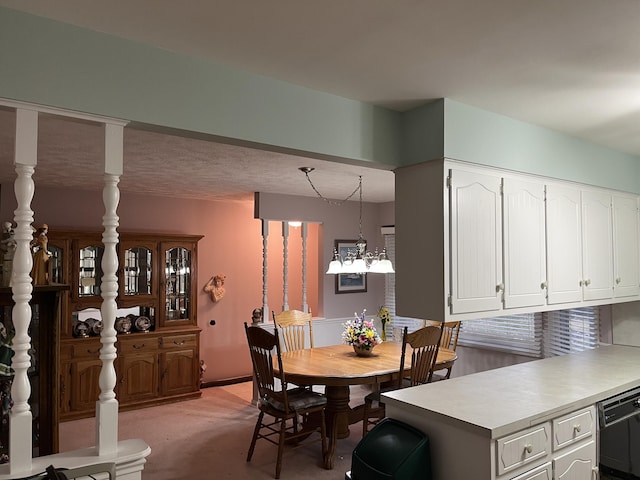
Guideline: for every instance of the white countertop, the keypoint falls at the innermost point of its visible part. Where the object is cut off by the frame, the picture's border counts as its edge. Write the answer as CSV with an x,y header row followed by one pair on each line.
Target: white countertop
x,y
502,401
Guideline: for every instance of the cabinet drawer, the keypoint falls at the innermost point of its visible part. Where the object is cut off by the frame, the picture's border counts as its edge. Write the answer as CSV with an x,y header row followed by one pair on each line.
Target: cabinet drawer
x,y
137,344
88,349
66,352
573,427
523,447
578,463
543,472
179,341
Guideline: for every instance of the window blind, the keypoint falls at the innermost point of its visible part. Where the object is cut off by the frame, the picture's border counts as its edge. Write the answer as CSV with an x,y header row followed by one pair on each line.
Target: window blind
x,y
520,334
569,331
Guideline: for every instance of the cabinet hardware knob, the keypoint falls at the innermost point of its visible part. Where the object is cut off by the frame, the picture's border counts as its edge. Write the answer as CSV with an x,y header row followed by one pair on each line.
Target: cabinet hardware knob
x,y
577,428
499,287
587,282
93,352
178,343
528,448
618,280
581,283
543,285
138,347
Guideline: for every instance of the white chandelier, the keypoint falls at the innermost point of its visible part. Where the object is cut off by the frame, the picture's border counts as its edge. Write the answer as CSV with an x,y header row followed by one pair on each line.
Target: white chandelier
x,y
356,260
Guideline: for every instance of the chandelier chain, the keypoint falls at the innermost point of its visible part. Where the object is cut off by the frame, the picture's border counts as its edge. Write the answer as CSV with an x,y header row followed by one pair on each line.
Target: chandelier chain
x,y
337,203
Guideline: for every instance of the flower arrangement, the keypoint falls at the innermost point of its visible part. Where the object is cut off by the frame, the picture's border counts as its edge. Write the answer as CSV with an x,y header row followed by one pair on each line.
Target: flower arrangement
x,y
385,317
361,333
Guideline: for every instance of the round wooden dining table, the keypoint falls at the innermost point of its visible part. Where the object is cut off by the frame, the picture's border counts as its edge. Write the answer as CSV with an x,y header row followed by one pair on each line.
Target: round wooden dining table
x,y
338,367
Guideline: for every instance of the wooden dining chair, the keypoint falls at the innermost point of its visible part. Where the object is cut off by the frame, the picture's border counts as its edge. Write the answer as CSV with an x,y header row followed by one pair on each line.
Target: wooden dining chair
x,y
449,340
424,344
286,406
295,327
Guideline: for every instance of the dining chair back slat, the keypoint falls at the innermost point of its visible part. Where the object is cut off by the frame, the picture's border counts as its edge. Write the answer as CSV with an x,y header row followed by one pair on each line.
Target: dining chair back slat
x,y
295,327
449,340
424,344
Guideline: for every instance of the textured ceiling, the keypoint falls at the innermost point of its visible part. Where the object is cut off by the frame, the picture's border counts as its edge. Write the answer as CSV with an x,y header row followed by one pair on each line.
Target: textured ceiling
x,y
569,65
70,154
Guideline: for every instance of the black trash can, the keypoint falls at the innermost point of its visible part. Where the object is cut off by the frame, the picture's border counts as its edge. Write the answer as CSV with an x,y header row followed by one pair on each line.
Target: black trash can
x,y
391,450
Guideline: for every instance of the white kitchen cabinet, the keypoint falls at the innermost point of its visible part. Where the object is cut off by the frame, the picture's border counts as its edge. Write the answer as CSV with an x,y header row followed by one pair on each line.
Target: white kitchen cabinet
x,y
564,244
578,464
476,243
524,447
579,244
543,472
626,266
597,245
524,247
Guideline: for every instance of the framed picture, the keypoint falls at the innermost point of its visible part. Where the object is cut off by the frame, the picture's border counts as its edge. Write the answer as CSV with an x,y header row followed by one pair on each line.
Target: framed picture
x,y
349,282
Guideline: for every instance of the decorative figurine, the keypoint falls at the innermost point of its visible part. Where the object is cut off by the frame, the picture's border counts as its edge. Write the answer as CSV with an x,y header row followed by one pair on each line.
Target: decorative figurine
x,y
7,251
215,287
256,316
41,255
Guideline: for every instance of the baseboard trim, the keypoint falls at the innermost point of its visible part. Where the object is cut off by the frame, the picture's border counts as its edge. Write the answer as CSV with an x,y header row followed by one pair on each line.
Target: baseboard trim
x,y
227,381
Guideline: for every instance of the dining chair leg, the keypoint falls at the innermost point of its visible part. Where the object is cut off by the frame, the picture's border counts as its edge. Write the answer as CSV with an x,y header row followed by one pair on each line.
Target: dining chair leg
x,y
256,432
323,432
283,428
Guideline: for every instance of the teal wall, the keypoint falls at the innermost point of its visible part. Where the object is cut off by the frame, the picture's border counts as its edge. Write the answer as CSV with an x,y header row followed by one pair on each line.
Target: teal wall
x,y
487,138
55,64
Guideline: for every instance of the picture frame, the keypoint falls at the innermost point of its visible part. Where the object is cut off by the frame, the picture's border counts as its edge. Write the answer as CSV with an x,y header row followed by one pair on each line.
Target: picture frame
x,y
349,282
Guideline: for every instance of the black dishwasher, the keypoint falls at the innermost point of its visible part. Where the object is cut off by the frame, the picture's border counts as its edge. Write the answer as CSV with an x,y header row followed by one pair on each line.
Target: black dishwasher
x,y
619,421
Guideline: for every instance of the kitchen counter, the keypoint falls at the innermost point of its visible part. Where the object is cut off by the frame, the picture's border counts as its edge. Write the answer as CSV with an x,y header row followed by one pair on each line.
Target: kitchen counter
x,y
504,400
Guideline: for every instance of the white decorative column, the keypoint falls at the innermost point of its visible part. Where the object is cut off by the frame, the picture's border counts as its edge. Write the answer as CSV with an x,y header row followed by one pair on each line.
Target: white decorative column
x,y
285,266
107,405
304,231
266,315
20,420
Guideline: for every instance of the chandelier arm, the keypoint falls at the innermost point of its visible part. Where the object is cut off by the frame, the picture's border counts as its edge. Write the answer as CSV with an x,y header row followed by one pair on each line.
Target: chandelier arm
x,y
359,260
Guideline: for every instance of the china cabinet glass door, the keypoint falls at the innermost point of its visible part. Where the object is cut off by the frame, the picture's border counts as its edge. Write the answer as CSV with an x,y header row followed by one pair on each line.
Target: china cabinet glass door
x,y
177,291
86,289
138,282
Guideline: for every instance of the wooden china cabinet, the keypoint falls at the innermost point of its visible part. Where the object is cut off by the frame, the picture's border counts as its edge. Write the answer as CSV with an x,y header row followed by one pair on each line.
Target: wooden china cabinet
x,y
158,337
42,374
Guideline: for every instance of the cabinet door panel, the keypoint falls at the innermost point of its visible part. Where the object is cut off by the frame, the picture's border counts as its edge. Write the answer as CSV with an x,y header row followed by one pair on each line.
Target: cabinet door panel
x,y
564,246
85,386
179,372
597,245
138,377
476,243
625,246
524,243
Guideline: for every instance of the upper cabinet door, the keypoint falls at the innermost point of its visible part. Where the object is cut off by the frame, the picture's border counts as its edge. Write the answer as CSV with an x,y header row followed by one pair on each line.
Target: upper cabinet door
x,y
564,246
625,246
138,272
597,245
524,243
476,242
177,287
87,272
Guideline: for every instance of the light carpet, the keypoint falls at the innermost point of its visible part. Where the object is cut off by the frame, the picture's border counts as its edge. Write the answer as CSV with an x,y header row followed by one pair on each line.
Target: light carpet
x,y
209,438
